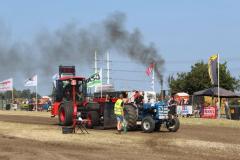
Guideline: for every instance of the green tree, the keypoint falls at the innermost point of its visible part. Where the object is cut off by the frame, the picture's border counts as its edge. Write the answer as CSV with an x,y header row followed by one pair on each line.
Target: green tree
x,y
198,79
26,93
33,95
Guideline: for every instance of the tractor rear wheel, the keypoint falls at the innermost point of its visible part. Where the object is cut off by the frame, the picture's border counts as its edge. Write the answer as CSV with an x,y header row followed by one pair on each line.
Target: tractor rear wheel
x,y
173,124
65,114
130,115
148,124
93,119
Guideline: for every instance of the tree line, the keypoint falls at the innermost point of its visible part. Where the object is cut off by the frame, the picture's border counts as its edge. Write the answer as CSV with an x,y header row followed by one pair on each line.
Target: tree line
x,y
26,94
198,79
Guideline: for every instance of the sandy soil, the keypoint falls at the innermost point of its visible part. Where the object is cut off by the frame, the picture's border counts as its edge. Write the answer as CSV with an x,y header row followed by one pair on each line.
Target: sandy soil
x,y
25,136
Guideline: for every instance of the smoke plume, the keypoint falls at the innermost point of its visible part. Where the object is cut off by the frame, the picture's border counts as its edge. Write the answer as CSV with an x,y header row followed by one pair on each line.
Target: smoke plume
x,y
72,44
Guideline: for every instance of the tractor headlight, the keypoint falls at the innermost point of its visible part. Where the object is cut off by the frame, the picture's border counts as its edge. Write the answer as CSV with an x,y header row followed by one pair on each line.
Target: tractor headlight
x,y
154,110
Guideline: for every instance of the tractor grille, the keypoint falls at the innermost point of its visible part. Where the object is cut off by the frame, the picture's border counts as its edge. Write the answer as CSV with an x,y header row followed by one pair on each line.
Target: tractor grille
x,y
163,112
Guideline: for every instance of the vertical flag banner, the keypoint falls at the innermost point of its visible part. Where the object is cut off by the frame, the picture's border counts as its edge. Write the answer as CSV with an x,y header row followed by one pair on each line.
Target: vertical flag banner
x,y
6,85
212,69
150,69
31,81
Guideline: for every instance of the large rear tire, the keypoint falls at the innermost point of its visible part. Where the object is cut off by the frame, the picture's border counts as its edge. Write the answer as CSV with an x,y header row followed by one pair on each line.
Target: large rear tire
x,y
130,115
65,114
148,124
173,124
93,119
93,106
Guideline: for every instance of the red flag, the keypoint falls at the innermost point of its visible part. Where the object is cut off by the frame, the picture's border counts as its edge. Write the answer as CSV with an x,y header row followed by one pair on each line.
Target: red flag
x,y
150,69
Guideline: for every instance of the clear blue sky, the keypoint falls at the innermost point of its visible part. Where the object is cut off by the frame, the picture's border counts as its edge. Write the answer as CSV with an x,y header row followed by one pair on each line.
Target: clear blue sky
x,y
183,31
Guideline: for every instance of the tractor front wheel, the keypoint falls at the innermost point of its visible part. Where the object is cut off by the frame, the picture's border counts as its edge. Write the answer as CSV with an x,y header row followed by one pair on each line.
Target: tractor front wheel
x,y
148,124
173,124
65,114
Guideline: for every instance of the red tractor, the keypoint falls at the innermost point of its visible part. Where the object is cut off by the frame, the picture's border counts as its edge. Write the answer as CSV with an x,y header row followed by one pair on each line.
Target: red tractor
x,y
72,100
68,94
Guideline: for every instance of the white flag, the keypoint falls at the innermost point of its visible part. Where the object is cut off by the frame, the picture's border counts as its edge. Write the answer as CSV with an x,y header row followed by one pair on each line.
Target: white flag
x,y
6,85
55,77
31,81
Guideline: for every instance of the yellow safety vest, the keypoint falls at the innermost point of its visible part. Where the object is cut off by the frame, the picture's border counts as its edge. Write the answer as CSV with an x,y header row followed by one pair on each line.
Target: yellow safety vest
x,y
118,109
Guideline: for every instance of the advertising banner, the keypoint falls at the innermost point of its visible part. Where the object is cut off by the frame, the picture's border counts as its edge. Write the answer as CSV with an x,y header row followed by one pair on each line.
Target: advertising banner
x,y
6,85
212,69
209,112
184,110
94,80
187,110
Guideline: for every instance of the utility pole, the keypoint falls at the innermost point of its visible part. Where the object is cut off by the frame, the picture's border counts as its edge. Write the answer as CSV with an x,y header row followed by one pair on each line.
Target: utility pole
x,y
161,82
95,67
219,100
108,68
153,79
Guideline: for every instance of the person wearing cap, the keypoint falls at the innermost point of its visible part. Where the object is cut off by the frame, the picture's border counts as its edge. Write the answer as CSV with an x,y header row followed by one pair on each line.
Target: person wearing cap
x,y
118,111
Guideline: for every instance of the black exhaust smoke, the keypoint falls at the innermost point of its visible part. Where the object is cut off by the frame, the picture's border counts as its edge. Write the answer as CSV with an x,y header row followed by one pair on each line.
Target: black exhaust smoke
x,y
72,44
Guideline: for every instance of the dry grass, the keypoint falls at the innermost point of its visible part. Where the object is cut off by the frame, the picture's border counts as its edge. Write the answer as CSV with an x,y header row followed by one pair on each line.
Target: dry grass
x,y
211,122
207,145
105,138
54,134
186,121
137,141
102,144
25,113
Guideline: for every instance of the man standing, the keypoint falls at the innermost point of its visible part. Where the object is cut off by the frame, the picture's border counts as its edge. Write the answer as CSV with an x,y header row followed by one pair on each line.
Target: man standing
x,y
226,106
118,110
172,106
218,111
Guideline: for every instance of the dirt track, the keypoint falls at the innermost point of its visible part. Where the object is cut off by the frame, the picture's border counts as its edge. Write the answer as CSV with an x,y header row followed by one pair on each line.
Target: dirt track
x,y
31,137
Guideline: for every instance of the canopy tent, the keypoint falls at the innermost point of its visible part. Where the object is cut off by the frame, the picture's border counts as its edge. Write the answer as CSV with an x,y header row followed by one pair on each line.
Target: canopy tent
x,y
223,93
181,97
213,92
182,94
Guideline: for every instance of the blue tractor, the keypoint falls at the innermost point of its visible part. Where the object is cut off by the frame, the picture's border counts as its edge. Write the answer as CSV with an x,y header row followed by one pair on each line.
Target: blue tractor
x,y
152,116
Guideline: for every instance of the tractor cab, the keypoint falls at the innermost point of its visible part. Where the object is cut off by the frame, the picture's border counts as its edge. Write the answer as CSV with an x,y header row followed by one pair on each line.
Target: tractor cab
x,y
70,89
69,92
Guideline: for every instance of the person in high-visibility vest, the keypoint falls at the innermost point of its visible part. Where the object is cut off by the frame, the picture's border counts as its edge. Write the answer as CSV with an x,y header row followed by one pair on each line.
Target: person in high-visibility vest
x,y
118,111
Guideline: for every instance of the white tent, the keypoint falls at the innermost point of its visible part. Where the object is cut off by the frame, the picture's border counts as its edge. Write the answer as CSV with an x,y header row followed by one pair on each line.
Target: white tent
x,y
182,94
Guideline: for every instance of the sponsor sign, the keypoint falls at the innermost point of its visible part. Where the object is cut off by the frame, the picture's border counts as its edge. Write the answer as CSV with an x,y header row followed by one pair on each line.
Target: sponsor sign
x,y
94,80
6,85
185,110
209,112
